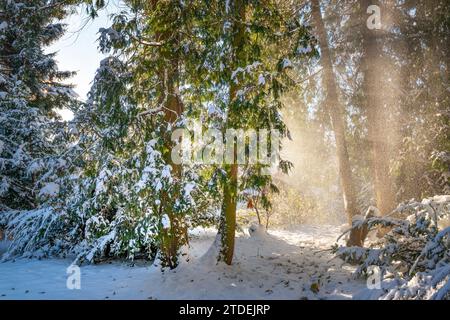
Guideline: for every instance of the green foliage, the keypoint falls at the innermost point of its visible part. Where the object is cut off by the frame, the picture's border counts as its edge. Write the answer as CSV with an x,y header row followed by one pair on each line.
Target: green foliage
x,y
31,89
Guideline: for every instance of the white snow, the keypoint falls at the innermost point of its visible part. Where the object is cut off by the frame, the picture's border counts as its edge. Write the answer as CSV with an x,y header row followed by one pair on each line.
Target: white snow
x,y
188,189
3,25
100,183
165,172
303,50
165,221
281,264
287,63
247,69
101,243
4,244
4,186
261,80
50,189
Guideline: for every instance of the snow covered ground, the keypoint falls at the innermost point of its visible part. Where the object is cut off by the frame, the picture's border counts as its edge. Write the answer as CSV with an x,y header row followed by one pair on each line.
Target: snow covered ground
x,y
283,264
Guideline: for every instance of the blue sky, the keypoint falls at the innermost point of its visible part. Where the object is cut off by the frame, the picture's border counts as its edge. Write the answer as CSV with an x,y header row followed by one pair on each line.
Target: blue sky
x,y
78,50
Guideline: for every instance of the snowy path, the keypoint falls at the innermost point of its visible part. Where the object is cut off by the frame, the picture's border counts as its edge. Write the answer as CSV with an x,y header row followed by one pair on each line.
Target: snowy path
x,y
282,265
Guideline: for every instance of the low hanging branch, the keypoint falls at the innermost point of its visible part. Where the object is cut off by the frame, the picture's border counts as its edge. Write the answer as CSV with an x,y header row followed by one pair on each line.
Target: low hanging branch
x,y
146,42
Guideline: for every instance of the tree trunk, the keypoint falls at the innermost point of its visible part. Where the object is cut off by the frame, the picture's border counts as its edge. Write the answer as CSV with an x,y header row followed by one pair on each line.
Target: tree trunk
x,y
174,236
373,104
337,114
227,226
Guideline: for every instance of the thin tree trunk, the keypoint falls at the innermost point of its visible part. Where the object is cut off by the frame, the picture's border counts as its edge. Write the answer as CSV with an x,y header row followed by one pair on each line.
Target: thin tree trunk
x,y
228,221
373,104
227,226
175,236
337,115
257,214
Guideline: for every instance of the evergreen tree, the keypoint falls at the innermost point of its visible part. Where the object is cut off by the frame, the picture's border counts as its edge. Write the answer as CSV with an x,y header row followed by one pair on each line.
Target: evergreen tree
x,y
337,115
30,92
136,198
389,95
253,49
422,164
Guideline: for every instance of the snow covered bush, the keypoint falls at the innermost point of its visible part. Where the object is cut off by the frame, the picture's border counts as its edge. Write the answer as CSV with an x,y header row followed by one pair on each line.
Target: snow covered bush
x,y
32,137
116,192
118,195
33,232
111,198
414,253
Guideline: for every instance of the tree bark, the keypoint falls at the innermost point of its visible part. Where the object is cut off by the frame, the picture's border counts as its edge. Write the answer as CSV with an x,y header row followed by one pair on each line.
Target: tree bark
x,y
227,226
336,112
174,236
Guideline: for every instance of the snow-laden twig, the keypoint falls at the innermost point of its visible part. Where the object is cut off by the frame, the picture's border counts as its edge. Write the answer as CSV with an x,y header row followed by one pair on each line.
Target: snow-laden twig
x,y
415,251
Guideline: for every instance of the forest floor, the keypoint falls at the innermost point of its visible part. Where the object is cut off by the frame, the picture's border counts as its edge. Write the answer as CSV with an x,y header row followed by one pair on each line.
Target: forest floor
x,y
284,264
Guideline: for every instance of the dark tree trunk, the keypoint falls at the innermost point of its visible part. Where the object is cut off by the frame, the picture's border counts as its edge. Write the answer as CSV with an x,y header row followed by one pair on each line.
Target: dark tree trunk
x,y
227,226
337,114
175,236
